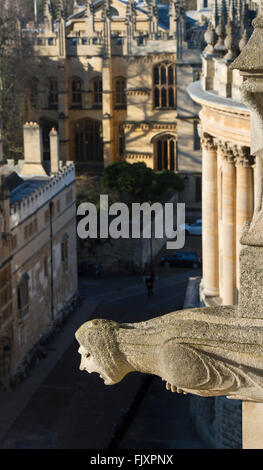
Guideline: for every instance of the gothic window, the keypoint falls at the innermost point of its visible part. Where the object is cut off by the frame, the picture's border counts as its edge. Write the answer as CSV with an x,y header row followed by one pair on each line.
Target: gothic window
x,y
53,92
164,89
23,295
120,93
165,153
76,89
97,91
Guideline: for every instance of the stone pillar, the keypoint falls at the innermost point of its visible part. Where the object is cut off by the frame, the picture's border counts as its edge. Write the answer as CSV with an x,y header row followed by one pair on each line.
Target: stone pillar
x,y
107,123
244,195
228,226
209,215
63,110
54,151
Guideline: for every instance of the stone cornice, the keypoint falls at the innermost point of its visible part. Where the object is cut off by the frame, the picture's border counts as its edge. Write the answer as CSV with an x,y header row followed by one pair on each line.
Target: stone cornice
x,y
149,126
151,58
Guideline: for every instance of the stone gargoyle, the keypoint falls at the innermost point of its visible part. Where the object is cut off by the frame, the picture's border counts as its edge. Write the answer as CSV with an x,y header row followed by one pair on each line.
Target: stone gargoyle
x,y
208,351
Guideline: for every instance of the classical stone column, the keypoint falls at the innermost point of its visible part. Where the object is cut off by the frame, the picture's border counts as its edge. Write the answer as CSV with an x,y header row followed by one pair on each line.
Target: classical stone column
x,y
228,225
244,195
209,214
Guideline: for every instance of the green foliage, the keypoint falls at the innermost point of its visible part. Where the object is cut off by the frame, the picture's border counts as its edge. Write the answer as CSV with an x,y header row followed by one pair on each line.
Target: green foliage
x,y
138,183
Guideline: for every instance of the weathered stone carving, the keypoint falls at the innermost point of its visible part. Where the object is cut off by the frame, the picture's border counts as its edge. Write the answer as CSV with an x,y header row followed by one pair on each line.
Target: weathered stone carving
x,y
206,351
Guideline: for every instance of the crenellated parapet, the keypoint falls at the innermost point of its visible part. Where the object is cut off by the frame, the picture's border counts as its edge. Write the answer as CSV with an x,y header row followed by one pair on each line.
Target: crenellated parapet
x,y
44,192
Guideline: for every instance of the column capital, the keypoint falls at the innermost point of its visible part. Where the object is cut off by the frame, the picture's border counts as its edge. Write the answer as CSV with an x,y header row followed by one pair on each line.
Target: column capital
x,y
242,156
226,151
207,141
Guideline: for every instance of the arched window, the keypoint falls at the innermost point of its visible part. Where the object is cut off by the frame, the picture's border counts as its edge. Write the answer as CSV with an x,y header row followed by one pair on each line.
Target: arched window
x,y
165,153
164,89
53,92
120,93
76,88
97,91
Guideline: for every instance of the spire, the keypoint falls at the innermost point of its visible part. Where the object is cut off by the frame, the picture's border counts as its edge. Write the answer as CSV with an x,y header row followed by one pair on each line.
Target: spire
x,y
60,10
224,12
230,42
173,17
221,34
245,27
75,7
130,24
152,13
106,15
89,8
215,15
232,11
47,15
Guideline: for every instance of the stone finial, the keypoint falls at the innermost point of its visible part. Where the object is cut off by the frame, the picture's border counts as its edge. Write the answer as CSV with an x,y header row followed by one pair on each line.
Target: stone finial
x,y
206,351
220,47
230,42
210,38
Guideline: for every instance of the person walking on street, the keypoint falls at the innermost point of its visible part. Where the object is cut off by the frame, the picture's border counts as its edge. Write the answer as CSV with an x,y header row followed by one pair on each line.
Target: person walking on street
x,y
149,284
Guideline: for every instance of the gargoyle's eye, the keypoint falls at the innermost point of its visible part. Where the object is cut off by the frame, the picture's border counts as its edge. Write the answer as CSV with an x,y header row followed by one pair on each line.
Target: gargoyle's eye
x,y
87,355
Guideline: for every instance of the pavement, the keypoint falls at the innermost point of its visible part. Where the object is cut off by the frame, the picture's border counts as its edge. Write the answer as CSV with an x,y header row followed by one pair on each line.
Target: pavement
x,y
60,407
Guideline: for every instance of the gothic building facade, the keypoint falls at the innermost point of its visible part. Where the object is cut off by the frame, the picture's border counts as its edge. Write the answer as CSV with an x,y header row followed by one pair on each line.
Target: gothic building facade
x,y
113,83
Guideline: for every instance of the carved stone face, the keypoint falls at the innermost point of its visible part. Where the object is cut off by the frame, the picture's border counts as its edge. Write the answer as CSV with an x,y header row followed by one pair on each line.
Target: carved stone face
x,y
90,364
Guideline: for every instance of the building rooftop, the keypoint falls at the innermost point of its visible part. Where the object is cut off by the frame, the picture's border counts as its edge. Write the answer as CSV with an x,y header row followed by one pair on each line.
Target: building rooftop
x,y
26,188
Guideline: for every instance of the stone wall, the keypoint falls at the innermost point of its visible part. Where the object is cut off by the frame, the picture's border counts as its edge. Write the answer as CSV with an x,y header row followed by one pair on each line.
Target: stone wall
x,y
218,420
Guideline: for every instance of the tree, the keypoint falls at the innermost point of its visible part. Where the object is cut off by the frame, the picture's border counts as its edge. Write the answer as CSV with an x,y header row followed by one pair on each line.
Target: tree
x,y
18,71
138,183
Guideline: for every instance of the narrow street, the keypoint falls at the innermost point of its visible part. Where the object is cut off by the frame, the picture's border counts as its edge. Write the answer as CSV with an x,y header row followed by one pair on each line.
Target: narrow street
x,y
71,409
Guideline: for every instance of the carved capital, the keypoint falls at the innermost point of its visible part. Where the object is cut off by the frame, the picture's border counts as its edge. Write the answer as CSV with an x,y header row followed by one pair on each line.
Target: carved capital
x,y
242,156
226,151
207,141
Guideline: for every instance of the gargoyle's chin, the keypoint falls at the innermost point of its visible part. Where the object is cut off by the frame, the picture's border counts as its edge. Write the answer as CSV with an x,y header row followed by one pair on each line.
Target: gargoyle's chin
x,y
108,381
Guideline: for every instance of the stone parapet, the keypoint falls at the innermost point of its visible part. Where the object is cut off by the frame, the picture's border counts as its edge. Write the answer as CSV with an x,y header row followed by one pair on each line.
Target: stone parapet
x,y
28,205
